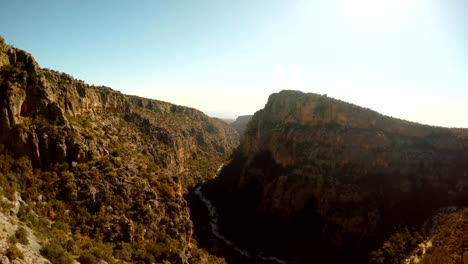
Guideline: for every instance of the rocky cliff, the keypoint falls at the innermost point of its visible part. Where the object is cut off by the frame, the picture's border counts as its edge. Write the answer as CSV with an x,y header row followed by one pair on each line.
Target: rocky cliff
x,y
240,124
31,95
318,179
111,169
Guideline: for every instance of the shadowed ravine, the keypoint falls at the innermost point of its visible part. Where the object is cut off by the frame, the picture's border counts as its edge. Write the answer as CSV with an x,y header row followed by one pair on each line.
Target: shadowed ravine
x,y
215,230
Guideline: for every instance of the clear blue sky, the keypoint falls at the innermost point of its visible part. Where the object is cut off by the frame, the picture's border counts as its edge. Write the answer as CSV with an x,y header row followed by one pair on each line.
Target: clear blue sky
x,y
404,58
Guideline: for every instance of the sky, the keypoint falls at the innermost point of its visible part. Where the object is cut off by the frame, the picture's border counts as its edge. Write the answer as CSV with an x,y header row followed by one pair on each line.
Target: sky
x,y
402,58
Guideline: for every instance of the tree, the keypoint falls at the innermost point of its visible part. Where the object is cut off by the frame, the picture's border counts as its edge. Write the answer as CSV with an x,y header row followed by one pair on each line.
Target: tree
x,y
450,244
460,233
396,247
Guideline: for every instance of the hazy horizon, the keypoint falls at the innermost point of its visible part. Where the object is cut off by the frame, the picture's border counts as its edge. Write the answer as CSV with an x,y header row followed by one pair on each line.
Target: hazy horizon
x,y
406,59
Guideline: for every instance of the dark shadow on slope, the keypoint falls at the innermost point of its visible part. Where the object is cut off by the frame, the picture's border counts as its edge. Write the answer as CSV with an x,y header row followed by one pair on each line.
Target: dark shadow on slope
x,y
305,236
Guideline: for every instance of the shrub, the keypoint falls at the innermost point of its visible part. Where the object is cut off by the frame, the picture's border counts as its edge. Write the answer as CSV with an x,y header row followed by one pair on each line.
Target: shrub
x,y
88,258
102,251
2,40
56,254
22,235
14,253
5,206
123,251
12,240
396,247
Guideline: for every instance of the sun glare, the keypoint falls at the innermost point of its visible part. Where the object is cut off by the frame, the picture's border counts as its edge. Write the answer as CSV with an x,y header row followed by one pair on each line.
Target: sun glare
x,y
370,13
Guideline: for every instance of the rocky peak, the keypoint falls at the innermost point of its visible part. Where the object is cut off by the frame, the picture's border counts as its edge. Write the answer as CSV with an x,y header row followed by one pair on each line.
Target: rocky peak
x,y
313,109
11,55
295,110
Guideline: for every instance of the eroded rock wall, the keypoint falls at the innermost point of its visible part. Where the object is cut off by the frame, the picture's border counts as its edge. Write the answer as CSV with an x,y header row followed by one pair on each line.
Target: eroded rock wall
x,y
32,98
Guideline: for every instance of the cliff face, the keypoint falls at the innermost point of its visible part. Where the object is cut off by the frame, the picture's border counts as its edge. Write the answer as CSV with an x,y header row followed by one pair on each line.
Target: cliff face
x,y
240,124
341,177
112,167
30,95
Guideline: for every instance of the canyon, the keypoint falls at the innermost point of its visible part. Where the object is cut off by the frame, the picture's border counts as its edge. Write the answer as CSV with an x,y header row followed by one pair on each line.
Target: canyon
x,y
92,175
320,180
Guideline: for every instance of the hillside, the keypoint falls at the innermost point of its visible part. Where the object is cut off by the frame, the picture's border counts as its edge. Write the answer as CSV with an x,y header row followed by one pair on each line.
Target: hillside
x,y
99,175
318,180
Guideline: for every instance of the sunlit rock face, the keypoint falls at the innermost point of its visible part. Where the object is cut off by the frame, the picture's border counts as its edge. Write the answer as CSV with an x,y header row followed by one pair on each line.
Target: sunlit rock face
x,y
315,172
32,98
126,160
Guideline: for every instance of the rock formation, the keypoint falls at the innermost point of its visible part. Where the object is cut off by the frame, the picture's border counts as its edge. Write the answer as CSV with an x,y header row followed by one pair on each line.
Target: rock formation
x,y
318,179
240,124
31,95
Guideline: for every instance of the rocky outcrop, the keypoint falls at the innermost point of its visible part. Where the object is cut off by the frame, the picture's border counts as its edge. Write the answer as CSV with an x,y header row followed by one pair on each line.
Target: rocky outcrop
x,y
316,178
109,167
34,100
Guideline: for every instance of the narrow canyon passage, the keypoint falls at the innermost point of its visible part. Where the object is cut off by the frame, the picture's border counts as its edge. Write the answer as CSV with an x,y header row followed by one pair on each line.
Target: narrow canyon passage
x,y
215,231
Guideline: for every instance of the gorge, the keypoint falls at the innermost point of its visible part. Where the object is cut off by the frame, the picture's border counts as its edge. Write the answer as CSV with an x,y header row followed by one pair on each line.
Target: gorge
x,y
244,256
318,180
91,175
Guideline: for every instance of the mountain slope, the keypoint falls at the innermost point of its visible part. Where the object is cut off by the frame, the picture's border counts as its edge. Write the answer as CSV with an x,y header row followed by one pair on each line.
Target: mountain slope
x,y
101,172
319,180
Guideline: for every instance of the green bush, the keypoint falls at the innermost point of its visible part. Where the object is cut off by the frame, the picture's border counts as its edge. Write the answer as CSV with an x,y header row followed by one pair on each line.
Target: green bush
x,y
123,251
396,247
56,254
22,235
101,251
88,258
12,240
26,215
450,240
